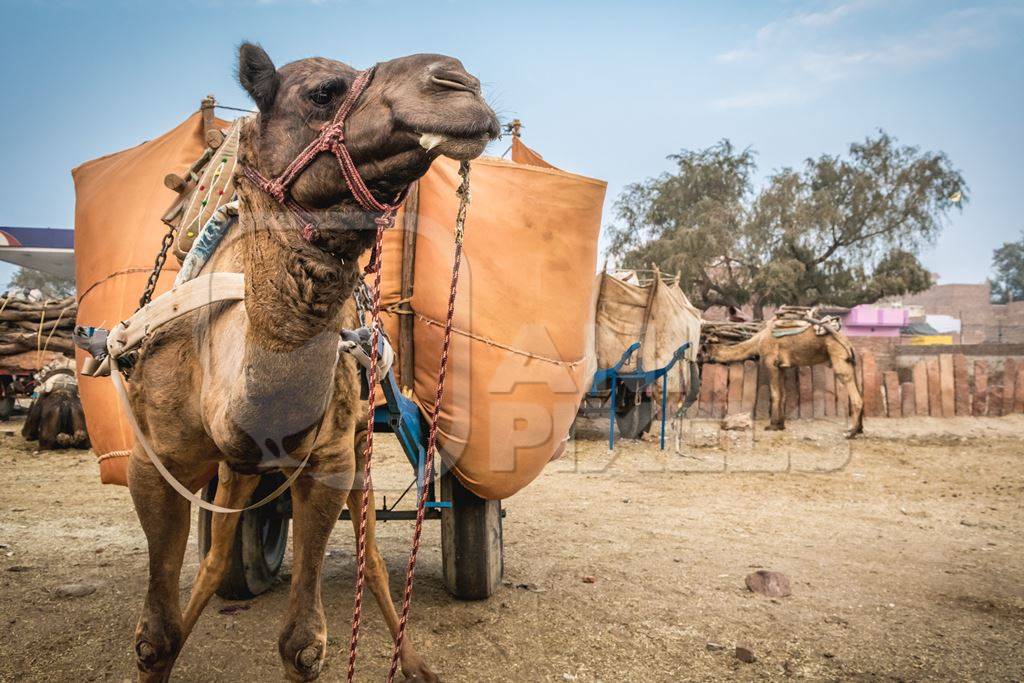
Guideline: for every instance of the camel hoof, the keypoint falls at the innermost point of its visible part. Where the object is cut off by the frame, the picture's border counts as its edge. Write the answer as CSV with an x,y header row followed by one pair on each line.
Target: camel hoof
x,y
423,676
774,428
64,439
309,661
852,433
146,654
416,671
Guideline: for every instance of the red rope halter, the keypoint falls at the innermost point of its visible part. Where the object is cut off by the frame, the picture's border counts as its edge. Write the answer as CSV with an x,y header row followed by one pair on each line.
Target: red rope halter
x,y
330,139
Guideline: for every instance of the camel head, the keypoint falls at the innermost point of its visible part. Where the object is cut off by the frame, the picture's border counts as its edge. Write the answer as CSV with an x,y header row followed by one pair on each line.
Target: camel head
x,y
415,109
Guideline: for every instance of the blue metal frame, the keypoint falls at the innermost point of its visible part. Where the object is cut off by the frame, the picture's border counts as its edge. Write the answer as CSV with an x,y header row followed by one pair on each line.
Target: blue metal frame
x,y
611,377
402,417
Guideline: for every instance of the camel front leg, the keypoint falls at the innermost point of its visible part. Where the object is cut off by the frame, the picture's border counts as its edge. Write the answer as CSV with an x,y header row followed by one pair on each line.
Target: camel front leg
x,y
317,499
233,491
165,520
413,665
846,373
777,415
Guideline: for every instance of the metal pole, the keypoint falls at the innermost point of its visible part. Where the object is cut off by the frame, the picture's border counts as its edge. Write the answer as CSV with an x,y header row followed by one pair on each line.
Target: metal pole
x,y
611,412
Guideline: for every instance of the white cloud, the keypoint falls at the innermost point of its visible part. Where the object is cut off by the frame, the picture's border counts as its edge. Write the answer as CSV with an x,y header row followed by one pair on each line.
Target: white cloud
x,y
813,20
805,53
734,56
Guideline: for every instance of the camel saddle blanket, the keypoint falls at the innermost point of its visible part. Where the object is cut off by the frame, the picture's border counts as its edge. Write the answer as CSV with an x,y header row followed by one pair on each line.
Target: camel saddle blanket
x,y
787,327
212,179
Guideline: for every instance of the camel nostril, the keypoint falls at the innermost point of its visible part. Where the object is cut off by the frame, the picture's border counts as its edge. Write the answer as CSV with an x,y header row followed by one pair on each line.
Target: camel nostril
x,y
455,80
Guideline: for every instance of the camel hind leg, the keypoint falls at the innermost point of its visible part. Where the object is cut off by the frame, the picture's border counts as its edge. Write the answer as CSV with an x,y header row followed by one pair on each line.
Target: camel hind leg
x,y
233,491
413,665
844,365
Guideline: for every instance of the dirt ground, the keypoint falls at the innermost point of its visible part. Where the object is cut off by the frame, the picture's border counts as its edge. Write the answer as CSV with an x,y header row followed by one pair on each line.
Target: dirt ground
x,y
903,550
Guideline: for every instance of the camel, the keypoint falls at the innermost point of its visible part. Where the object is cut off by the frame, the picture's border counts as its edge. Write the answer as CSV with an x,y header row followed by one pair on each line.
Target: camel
x,y
248,387
796,350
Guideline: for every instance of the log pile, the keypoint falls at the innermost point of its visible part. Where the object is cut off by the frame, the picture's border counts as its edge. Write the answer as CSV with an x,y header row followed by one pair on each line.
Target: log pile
x,y
724,332
37,325
728,332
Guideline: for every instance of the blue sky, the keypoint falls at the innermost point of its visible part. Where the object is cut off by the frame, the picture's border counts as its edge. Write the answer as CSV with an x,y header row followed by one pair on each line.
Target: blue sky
x,y
605,89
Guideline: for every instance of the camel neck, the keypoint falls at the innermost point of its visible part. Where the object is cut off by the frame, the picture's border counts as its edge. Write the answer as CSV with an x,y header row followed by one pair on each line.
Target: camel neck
x,y
295,291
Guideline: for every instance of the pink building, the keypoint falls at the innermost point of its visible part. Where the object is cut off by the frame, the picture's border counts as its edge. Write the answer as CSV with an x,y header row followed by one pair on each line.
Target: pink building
x,y
875,321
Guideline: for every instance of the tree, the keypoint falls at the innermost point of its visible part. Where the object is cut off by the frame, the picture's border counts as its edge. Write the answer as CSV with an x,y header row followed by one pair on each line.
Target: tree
x,y
52,286
1008,263
839,230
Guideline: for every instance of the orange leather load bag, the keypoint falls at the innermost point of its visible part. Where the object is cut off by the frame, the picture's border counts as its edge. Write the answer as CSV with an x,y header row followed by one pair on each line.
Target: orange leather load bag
x,y
522,352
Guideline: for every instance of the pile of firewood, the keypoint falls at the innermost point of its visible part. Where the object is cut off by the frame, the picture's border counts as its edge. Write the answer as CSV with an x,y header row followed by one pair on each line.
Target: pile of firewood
x,y
725,332
728,332
37,325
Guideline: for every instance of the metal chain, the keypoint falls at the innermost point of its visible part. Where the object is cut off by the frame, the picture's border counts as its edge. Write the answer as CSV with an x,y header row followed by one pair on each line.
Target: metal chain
x,y
158,266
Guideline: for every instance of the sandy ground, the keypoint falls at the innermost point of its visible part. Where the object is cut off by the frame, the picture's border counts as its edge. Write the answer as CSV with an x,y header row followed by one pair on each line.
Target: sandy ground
x,y
903,550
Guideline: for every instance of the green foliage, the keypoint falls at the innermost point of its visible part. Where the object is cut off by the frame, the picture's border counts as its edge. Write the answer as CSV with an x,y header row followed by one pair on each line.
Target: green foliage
x,y
839,230
1008,263
52,286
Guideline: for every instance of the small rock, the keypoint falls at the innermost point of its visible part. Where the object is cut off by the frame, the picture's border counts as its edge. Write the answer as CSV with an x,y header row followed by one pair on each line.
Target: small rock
x,y
18,568
589,579
745,654
234,609
714,647
568,677
769,583
737,422
74,590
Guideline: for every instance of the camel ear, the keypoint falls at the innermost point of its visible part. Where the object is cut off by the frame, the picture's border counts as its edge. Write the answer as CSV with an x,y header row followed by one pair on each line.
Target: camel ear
x,y
258,75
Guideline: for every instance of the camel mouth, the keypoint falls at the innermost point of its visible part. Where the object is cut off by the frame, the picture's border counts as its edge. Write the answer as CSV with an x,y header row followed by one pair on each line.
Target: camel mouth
x,y
460,148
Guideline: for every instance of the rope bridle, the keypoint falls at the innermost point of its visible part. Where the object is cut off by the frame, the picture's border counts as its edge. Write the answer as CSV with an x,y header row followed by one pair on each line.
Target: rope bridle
x,y
332,139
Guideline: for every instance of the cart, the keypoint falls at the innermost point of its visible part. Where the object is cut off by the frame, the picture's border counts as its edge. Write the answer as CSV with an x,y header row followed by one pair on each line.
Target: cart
x,y
627,398
471,527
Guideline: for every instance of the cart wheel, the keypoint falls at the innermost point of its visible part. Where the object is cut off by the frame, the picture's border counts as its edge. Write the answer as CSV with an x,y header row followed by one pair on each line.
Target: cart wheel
x,y
6,408
471,548
260,542
633,419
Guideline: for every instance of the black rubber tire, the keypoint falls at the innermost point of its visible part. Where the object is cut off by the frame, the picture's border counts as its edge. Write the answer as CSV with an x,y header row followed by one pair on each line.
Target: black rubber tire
x,y
6,408
634,419
471,542
261,540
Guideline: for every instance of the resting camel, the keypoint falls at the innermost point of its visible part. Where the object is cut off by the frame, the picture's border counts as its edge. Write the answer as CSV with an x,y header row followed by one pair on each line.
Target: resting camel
x,y
796,350
252,386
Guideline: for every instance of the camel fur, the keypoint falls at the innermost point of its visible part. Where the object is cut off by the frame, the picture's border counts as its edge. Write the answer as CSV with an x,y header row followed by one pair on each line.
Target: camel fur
x,y
805,348
248,387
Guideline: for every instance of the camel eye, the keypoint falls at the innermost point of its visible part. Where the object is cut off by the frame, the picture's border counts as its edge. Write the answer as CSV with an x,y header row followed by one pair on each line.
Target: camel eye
x,y
320,97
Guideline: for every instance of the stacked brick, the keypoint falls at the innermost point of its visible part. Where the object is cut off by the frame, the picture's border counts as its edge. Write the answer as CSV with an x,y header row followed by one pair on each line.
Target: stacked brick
x,y
946,385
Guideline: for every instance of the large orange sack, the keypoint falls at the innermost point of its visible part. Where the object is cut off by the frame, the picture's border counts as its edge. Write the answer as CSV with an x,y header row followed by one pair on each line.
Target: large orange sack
x,y
119,200
522,353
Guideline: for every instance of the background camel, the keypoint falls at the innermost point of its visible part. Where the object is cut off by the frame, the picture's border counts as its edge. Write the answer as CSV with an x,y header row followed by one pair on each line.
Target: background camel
x,y
250,385
795,350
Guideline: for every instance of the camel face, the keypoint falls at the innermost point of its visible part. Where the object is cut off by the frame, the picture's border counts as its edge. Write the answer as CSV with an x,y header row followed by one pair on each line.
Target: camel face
x,y
415,109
